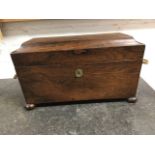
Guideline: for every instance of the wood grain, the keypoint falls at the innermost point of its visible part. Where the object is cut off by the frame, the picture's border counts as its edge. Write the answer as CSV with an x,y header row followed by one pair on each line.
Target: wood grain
x,y
77,42
99,55
109,72
100,81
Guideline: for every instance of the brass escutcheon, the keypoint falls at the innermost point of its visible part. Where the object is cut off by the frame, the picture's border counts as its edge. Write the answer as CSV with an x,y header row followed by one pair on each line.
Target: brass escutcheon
x,y
78,73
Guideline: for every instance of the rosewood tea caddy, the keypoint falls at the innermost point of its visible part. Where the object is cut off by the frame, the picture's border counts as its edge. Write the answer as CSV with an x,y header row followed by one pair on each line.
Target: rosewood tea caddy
x,y
78,68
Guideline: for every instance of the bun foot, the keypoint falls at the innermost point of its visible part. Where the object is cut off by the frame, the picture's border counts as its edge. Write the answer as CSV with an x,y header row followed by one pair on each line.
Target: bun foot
x,y
29,106
132,100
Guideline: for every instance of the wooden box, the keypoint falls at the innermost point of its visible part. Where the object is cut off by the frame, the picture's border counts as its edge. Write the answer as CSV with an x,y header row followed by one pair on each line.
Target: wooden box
x,y
78,68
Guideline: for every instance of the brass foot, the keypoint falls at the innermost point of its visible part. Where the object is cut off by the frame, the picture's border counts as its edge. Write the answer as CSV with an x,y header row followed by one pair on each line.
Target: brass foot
x,y
132,100
29,106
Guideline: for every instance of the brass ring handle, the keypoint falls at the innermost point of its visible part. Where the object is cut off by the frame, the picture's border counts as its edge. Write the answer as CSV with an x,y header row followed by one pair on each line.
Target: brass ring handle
x,y
145,61
79,73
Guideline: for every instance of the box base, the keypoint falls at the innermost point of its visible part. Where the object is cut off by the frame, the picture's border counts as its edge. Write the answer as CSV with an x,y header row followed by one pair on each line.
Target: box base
x,y
31,106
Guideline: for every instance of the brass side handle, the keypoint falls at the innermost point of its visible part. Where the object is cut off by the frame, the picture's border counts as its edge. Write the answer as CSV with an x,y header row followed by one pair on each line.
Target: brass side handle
x,y
15,76
145,61
79,73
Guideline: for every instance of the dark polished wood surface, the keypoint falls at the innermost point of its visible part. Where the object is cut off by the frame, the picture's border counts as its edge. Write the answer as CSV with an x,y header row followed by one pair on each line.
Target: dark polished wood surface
x,y
110,66
65,43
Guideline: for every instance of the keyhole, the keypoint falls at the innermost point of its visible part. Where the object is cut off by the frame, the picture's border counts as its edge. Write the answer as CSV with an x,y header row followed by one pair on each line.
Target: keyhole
x,y
78,73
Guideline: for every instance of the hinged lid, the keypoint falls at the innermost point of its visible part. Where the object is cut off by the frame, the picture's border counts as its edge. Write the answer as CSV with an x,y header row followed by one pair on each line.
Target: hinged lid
x,y
64,43
66,50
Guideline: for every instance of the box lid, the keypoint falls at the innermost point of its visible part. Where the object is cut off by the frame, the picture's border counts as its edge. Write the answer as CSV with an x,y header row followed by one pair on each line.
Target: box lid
x,y
87,41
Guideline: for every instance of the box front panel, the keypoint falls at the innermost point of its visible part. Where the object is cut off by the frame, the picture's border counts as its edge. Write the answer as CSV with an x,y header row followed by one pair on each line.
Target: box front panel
x,y
80,80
